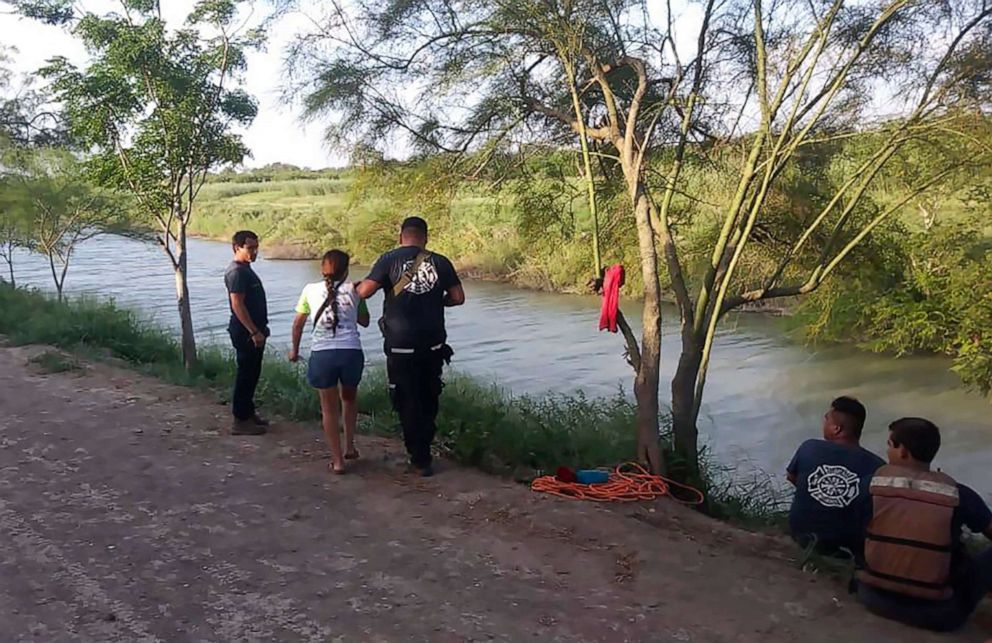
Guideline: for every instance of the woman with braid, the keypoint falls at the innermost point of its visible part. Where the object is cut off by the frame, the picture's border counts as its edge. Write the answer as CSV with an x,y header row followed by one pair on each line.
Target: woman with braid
x,y
336,362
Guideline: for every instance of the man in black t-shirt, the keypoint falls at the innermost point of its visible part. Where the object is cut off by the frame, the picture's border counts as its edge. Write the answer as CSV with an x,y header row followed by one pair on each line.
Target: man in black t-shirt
x,y
248,327
418,286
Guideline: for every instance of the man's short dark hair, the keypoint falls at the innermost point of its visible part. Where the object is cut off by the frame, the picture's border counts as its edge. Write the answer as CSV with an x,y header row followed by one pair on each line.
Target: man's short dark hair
x,y
853,414
414,223
241,237
920,437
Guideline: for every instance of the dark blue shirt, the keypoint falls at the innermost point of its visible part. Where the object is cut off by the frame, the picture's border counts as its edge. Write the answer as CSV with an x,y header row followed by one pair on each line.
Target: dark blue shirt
x,y
832,491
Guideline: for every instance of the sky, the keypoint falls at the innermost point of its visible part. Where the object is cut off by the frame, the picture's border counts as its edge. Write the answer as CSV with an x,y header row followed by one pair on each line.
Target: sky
x,y
277,134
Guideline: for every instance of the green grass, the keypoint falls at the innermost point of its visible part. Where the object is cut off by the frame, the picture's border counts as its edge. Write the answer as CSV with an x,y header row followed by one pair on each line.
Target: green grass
x,y
752,500
479,232
479,425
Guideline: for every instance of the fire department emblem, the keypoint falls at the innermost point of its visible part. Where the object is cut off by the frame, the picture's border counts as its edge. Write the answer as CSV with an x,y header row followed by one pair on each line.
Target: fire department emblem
x,y
833,485
424,280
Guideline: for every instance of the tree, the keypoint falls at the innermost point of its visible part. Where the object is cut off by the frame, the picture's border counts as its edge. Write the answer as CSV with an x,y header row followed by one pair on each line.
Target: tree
x,y
14,224
62,210
158,107
747,85
25,118
24,124
27,123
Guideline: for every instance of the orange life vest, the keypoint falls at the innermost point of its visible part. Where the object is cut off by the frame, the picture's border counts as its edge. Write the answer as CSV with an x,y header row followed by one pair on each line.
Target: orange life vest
x,y
909,541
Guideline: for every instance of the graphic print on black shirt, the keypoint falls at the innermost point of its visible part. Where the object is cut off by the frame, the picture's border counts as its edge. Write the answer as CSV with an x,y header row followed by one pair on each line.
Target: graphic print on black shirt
x,y
832,490
241,279
414,318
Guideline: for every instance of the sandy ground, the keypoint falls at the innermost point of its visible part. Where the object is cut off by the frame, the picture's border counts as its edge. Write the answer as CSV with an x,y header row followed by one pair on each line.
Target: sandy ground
x,y
128,514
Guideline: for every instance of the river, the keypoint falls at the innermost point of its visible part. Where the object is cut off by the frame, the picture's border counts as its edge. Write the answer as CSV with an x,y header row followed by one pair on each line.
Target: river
x,y
764,395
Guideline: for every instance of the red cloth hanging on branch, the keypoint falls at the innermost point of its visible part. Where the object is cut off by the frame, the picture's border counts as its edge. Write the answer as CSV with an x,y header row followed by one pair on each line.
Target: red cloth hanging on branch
x,y
612,280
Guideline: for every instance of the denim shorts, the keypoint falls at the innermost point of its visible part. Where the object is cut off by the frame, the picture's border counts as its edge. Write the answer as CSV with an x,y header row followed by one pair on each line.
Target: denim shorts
x,y
327,369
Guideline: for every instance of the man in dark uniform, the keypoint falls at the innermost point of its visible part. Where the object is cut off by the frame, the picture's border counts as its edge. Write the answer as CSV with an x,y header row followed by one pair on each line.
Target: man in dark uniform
x,y
832,506
249,328
418,286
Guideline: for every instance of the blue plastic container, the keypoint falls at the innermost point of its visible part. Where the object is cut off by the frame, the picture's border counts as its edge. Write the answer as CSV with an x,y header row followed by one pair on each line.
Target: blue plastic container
x,y
591,476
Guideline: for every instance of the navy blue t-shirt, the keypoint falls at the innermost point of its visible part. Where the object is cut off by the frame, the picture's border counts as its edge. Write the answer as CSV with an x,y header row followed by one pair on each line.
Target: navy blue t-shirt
x,y
832,490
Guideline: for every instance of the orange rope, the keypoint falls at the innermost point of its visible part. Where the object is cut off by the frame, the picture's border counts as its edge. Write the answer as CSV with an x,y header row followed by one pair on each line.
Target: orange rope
x,y
627,483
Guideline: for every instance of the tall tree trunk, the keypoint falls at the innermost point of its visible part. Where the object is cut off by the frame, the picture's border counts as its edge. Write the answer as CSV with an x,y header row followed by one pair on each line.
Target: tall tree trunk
x,y
646,382
684,430
188,341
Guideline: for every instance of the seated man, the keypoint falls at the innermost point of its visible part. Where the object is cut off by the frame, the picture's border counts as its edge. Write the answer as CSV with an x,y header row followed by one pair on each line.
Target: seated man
x,y
831,507
917,570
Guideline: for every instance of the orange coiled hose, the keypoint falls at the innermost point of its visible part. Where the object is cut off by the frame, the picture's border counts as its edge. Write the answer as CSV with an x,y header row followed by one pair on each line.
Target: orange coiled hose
x,y
629,482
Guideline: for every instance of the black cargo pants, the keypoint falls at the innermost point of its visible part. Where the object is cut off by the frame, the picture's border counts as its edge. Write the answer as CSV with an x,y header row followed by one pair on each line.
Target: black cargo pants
x,y
415,390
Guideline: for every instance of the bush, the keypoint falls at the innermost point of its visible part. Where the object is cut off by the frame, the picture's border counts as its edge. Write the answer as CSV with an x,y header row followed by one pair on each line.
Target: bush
x,y
938,299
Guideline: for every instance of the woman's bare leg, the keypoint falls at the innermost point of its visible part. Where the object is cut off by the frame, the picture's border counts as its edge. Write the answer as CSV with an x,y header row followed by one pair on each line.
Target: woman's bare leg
x,y
332,432
349,400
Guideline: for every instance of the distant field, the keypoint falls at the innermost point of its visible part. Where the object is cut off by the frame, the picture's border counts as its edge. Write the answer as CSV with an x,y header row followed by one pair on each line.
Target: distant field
x,y
302,218
484,234
309,214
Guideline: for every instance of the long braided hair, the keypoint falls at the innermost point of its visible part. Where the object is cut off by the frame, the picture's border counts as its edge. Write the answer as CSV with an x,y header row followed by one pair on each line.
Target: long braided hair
x,y
334,266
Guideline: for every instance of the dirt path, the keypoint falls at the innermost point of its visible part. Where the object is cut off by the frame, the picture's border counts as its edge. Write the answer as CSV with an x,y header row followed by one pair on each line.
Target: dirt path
x,y
126,515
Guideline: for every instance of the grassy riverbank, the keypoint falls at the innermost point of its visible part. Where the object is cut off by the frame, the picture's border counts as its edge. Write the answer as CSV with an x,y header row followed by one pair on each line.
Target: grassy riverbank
x,y
479,425
917,285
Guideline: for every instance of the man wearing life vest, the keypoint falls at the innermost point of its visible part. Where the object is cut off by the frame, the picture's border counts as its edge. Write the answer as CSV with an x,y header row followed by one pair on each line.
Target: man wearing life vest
x,y
916,568
831,508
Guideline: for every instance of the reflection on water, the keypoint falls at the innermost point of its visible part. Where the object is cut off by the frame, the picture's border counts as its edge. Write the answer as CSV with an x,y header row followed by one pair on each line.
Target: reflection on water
x,y
764,393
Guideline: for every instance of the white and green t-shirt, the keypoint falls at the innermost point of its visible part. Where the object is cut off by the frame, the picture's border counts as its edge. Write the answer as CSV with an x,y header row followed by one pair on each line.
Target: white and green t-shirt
x,y
349,304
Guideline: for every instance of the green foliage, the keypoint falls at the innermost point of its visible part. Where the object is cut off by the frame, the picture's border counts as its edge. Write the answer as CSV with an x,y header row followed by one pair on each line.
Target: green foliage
x,y
50,208
936,298
157,109
754,500
157,106
274,172
54,12
27,119
15,222
470,68
486,428
216,190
